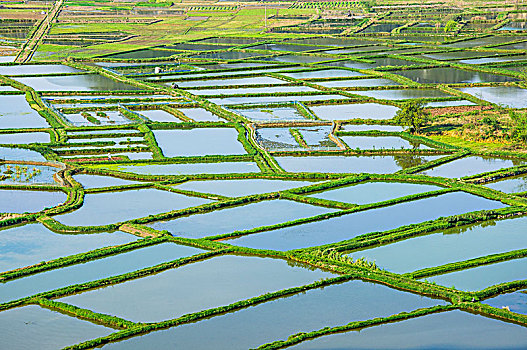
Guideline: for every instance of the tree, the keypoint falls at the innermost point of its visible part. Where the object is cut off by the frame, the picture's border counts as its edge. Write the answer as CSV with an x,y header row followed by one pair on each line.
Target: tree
x,y
413,115
519,128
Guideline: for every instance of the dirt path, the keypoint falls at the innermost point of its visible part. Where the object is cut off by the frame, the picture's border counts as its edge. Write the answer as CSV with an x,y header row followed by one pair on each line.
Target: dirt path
x,y
42,29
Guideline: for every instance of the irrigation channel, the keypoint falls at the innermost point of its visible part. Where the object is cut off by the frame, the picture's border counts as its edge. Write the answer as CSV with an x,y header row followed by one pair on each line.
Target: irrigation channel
x,y
259,192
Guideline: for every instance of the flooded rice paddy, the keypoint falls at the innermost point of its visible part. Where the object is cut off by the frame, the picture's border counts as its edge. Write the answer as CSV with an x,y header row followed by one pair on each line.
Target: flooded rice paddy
x,y
231,192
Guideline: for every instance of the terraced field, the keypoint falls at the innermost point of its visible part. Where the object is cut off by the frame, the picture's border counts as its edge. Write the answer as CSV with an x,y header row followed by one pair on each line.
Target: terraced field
x,y
227,175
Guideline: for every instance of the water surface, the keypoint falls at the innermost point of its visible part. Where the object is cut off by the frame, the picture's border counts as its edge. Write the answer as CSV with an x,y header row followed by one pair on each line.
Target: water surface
x,y
88,82
239,218
510,185
32,243
484,276
511,96
355,111
192,168
463,330
199,142
15,201
94,270
516,301
352,164
158,115
451,76
325,73
107,208
447,246
97,181
16,114
24,138
33,327
194,287
237,188
248,328
200,115
371,192
471,166
402,94
374,220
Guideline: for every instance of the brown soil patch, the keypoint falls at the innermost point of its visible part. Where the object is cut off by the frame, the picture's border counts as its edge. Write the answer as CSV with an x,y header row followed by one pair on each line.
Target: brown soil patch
x,y
136,232
456,110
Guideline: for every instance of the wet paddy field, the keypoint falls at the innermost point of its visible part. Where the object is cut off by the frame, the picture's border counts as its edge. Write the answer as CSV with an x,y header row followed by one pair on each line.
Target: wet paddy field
x,y
236,192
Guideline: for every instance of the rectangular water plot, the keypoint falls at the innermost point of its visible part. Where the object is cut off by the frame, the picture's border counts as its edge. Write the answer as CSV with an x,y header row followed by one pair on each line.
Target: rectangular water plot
x,y
510,96
515,302
314,309
194,287
285,47
371,63
354,50
352,164
371,192
511,185
33,327
227,82
7,153
489,40
373,220
16,113
402,94
87,82
370,127
317,137
239,218
200,115
355,111
451,75
275,99
276,139
448,246
259,90
145,53
157,115
228,55
96,118
384,27
24,138
98,181
208,75
325,73
94,270
357,83
487,60
107,208
199,142
26,174
19,201
463,330
481,277
457,55
192,168
36,69
297,59
237,188
272,114
471,166
32,243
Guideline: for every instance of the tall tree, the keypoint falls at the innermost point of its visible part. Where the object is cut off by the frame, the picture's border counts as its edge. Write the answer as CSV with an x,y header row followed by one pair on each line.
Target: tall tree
x,y
413,115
